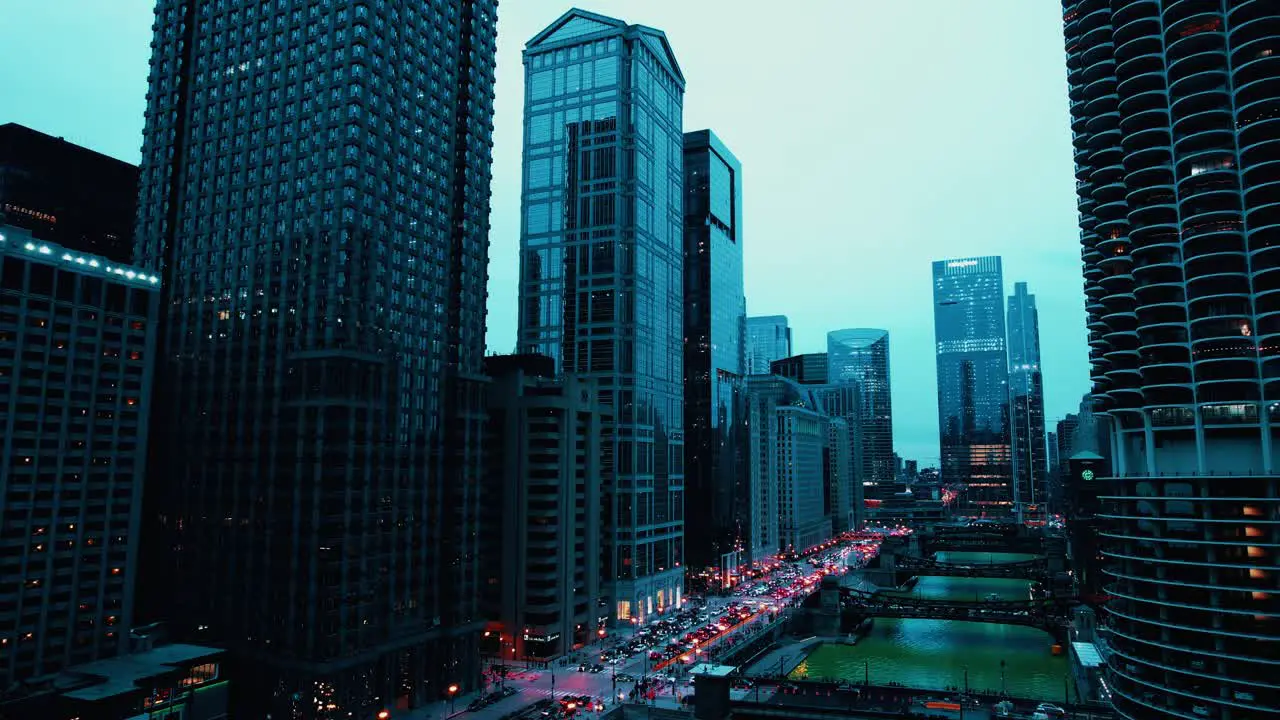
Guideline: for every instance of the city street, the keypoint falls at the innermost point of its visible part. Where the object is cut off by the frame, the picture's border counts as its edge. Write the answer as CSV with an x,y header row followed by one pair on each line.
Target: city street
x,y
785,586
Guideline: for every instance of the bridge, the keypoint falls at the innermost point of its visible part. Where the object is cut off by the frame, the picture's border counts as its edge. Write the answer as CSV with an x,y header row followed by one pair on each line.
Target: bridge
x,y
1006,538
1052,616
908,566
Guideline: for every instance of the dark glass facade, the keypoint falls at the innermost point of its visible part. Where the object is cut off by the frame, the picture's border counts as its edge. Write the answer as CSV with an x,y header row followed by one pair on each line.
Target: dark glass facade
x,y
861,355
973,378
1175,111
806,369
714,354
601,272
77,338
315,192
1026,401
67,194
768,339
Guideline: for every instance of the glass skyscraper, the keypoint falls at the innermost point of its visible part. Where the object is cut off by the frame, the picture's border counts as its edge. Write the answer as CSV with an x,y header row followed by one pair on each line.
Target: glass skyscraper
x,y
315,195
601,281
1175,119
714,354
1026,399
861,355
973,377
768,339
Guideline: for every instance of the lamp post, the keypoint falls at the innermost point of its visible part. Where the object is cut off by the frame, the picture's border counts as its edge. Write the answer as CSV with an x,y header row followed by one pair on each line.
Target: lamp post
x,y
966,679
1002,691
453,694
866,673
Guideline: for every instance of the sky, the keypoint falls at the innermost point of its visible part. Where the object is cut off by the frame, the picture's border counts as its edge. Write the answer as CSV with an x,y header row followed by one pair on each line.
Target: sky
x,y
875,137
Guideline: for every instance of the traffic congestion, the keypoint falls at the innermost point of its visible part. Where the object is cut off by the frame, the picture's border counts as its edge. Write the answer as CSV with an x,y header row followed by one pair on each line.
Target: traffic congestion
x,y
650,659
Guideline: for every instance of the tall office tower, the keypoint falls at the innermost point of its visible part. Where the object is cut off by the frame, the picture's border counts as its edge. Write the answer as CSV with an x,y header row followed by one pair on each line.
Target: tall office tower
x,y
77,334
715,318
315,192
540,533
601,282
788,432
806,369
973,378
67,194
1026,399
837,400
1175,108
839,475
768,339
861,355
1052,481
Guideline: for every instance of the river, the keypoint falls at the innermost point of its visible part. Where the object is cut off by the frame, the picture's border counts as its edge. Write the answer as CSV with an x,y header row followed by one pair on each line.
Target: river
x,y
936,653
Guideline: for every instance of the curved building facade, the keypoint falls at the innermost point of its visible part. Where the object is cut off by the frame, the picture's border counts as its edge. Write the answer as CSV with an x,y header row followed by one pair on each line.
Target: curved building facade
x,y
1175,117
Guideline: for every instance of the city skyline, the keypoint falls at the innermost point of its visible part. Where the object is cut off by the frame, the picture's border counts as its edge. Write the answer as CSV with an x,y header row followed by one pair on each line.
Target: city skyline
x,y
1014,181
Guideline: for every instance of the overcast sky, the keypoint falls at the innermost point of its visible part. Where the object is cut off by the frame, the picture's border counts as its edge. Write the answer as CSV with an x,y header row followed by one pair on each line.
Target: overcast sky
x,y
874,136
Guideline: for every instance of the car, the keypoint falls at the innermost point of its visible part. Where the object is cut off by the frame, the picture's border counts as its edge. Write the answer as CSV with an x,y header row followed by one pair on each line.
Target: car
x,y
1049,710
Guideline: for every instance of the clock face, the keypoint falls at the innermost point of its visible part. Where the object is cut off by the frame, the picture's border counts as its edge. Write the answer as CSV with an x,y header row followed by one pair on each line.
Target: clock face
x,y
1087,475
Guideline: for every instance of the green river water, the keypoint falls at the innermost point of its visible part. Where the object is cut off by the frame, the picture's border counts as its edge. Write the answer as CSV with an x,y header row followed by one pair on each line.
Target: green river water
x,y
936,653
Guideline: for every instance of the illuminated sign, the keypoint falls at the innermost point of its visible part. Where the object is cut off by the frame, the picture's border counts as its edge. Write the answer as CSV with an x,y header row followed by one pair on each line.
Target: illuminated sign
x,y
962,263
1087,475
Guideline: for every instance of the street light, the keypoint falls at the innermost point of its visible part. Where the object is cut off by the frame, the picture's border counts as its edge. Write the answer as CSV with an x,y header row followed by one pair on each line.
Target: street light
x,y
453,693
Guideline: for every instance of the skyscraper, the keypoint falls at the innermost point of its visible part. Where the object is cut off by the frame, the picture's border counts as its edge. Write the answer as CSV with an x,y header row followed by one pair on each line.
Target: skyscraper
x,y
806,368
1174,117
789,432
77,334
601,282
714,353
973,378
861,355
67,194
540,546
1026,399
768,339
315,194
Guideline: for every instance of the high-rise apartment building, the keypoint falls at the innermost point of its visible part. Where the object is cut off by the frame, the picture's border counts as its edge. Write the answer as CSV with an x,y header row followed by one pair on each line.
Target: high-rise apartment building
x,y
861,355
1174,114
540,534
1026,399
973,378
768,339
315,193
77,334
67,194
715,319
601,272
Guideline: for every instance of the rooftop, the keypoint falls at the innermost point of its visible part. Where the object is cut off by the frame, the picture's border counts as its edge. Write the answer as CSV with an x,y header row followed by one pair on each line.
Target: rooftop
x,y
711,670
120,675
20,242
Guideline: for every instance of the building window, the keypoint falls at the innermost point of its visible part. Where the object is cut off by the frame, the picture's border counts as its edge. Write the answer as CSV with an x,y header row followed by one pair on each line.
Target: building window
x,y
201,674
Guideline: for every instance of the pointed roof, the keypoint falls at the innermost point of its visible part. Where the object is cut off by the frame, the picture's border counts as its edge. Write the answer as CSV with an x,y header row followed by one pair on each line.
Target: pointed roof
x,y
577,23
574,24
